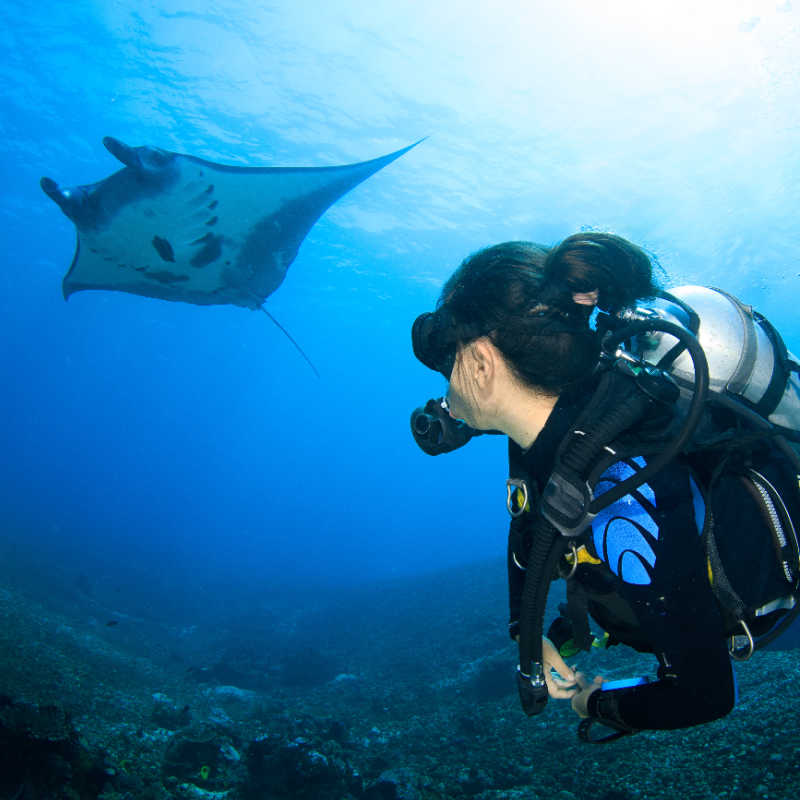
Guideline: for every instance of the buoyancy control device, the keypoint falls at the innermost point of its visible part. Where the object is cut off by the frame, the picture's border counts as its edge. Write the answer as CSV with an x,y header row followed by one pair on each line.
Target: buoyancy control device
x,y
738,392
755,383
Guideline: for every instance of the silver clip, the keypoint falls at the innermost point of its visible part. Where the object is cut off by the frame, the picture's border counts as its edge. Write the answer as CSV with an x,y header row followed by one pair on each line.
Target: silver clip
x,y
738,652
574,562
511,485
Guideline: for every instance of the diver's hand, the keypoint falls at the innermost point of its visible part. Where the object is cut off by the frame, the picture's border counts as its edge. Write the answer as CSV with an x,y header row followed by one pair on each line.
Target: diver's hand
x,y
435,431
563,685
580,700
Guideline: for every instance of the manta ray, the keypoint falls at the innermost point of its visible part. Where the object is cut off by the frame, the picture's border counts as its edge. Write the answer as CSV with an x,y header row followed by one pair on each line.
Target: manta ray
x,y
177,227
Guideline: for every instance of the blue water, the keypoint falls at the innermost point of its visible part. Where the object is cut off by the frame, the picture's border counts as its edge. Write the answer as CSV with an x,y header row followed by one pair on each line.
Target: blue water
x,y
167,444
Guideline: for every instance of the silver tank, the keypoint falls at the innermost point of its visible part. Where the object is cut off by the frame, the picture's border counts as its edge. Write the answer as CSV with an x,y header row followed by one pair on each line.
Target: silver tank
x,y
739,352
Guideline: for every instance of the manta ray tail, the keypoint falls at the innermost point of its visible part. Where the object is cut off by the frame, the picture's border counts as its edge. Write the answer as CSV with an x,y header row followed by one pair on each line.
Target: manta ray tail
x,y
291,339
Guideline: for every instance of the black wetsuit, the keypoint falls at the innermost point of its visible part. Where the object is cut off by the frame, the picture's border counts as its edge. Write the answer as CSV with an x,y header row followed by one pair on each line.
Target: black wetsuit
x,y
650,591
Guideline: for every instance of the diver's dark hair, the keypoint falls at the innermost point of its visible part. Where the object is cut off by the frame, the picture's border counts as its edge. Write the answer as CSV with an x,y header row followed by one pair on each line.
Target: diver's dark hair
x,y
522,295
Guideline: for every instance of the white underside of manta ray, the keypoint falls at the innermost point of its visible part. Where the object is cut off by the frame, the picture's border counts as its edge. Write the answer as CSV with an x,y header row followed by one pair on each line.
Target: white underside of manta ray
x,y
176,227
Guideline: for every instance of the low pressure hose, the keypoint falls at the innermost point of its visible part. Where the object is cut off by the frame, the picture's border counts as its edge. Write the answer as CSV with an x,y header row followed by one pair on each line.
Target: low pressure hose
x,y
547,545
696,407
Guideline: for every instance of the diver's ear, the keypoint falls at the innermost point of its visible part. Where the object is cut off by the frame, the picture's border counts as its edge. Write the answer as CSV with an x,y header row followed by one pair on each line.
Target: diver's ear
x,y
484,362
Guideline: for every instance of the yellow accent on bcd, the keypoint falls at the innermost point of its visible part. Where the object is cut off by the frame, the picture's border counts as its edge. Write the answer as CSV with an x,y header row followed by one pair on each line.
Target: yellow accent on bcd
x,y
584,557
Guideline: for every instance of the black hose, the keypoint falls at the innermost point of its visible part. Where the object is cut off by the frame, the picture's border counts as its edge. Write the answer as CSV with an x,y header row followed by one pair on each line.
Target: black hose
x,y
696,407
546,548
584,451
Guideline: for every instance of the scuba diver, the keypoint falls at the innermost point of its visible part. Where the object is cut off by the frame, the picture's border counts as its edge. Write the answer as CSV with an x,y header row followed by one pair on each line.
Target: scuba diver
x,y
665,501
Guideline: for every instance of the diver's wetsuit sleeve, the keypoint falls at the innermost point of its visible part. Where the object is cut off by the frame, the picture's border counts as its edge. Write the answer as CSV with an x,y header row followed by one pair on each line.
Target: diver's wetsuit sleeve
x,y
677,618
695,679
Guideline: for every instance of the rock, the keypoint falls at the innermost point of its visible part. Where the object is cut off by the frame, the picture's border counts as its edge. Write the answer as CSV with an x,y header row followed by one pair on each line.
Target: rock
x,y
201,757
167,714
245,696
397,784
40,753
296,770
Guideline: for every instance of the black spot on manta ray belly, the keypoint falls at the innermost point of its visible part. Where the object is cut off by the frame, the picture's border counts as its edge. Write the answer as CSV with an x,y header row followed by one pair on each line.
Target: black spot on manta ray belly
x,y
211,250
164,249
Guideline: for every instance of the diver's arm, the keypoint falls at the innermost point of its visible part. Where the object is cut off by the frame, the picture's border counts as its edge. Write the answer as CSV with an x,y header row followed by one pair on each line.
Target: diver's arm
x,y
679,699
695,677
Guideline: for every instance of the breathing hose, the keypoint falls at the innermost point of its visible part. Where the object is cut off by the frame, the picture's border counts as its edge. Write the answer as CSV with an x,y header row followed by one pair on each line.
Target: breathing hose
x,y
696,407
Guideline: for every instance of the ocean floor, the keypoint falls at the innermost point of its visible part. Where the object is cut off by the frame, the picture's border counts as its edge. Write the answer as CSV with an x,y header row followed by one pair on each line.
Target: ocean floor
x,y
398,691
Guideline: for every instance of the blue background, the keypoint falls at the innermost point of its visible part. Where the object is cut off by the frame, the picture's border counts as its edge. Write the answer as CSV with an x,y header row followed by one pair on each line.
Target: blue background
x,y
185,451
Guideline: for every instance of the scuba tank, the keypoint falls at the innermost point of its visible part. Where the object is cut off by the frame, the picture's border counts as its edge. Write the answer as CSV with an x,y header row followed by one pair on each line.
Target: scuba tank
x,y
747,359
